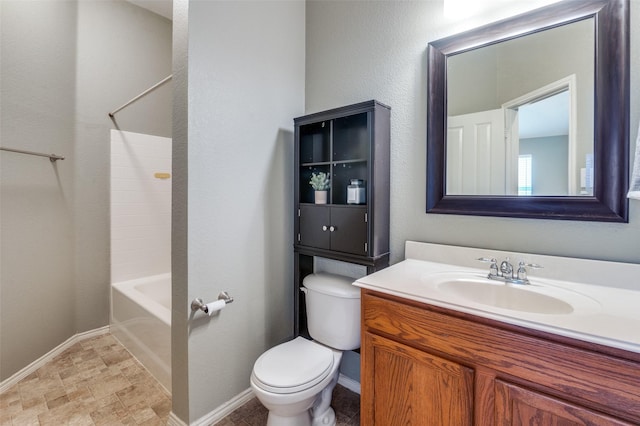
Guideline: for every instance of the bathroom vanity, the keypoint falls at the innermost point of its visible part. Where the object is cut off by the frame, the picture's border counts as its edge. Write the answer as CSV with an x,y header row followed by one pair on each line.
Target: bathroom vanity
x,y
430,356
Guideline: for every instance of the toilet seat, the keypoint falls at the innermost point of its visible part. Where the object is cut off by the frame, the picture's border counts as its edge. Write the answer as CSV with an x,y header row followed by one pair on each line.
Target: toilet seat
x,y
293,366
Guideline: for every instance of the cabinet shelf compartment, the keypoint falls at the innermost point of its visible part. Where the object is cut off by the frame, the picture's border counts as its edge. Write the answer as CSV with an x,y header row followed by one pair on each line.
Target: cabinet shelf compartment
x,y
315,143
351,137
306,191
341,178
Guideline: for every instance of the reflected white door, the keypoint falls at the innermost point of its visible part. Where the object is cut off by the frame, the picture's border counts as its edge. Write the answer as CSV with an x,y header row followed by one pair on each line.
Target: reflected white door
x,y
476,154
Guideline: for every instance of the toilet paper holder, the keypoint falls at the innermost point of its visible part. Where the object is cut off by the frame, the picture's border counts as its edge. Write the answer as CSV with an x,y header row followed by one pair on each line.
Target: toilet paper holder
x,y
198,303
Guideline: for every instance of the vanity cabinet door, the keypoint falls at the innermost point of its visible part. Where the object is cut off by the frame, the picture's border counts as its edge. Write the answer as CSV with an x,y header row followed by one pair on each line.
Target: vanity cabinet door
x,y
402,385
519,406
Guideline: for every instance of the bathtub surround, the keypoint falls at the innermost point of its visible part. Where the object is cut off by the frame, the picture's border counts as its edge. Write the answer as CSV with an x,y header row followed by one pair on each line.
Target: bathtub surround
x,y
140,205
141,248
65,64
141,321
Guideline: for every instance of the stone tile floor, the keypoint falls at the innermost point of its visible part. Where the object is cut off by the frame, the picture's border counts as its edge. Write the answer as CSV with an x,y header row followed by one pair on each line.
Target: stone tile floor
x,y
98,382
345,402
94,382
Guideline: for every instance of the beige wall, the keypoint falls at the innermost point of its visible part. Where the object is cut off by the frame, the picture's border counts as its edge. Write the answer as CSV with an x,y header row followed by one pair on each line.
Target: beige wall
x,y
357,51
65,65
232,214
36,196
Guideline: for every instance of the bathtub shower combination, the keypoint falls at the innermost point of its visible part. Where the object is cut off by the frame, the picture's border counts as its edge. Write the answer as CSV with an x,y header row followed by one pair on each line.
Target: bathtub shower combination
x,y
141,249
141,320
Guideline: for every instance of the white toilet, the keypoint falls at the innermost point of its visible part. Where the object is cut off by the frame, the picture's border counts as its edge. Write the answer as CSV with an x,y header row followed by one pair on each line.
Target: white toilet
x,y
295,380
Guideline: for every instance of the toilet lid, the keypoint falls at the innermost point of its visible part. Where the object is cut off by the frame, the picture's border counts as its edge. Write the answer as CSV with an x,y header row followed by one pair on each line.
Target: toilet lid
x,y
293,366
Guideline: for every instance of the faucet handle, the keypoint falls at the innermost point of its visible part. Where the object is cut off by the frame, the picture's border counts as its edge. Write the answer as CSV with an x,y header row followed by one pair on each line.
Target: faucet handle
x,y
530,265
522,269
493,268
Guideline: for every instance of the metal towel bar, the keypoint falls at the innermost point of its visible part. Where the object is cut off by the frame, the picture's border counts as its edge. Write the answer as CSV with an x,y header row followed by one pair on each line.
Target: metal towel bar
x,y
52,157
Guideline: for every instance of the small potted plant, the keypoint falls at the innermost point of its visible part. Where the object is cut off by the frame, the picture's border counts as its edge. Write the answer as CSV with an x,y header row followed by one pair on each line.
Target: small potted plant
x,y
320,183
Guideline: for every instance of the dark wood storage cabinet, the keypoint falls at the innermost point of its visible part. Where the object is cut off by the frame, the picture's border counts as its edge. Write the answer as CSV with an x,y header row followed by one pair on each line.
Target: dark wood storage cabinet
x,y
348,143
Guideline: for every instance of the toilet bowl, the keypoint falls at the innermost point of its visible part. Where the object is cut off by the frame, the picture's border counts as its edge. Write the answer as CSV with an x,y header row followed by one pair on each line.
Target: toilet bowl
x,y
295,380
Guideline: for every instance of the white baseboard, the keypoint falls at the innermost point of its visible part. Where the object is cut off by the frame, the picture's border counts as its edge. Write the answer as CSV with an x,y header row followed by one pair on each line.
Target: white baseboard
x,y
349,383
175,421
239,400
31,368
225,409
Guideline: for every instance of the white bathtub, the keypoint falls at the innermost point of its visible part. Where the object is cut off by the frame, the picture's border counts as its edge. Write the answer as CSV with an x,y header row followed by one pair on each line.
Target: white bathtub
x,y
141,320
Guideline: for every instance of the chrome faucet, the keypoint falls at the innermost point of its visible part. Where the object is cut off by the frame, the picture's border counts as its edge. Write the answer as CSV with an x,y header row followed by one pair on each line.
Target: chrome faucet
x,y
506,269
506,272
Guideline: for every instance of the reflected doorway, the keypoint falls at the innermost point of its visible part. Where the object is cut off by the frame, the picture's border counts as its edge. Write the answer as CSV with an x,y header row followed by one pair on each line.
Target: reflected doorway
x,y
541,141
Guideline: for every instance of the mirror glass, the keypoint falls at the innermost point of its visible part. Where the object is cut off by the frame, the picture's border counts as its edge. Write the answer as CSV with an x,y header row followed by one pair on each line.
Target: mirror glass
x,y
529,116
518,126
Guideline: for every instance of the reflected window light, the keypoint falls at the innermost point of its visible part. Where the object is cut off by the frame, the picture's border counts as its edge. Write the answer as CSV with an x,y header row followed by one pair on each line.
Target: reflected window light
x,y
524,175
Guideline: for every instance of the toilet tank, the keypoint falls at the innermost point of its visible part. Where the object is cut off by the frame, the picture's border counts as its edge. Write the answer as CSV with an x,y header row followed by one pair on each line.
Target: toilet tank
x,y
333,310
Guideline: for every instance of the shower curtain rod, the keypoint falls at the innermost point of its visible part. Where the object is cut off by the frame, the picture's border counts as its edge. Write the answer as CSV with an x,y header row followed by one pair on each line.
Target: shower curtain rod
x,y
149,90
52,157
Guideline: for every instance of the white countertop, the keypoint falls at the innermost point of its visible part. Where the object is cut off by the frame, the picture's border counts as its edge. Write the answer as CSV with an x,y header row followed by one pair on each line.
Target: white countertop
x,y
611,316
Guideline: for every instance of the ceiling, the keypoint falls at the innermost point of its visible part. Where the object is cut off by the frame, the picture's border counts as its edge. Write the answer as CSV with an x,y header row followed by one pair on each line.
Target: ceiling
x,y
547,117
161,7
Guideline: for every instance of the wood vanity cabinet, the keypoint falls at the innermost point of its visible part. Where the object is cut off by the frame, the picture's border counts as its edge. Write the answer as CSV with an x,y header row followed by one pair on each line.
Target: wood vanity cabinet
x,y
350,142
425,365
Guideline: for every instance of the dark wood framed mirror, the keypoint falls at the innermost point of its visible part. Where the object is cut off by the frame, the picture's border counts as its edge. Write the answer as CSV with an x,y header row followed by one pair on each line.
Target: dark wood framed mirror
x,y
607,165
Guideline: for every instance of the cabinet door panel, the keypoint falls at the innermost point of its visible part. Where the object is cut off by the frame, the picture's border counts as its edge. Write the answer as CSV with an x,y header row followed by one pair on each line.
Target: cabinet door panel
x,y
409,387
350,230
312,220
519,406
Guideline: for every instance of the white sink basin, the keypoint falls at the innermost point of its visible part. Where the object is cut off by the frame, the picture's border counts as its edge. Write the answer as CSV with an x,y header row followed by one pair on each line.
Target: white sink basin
x,y
589,300
532,298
